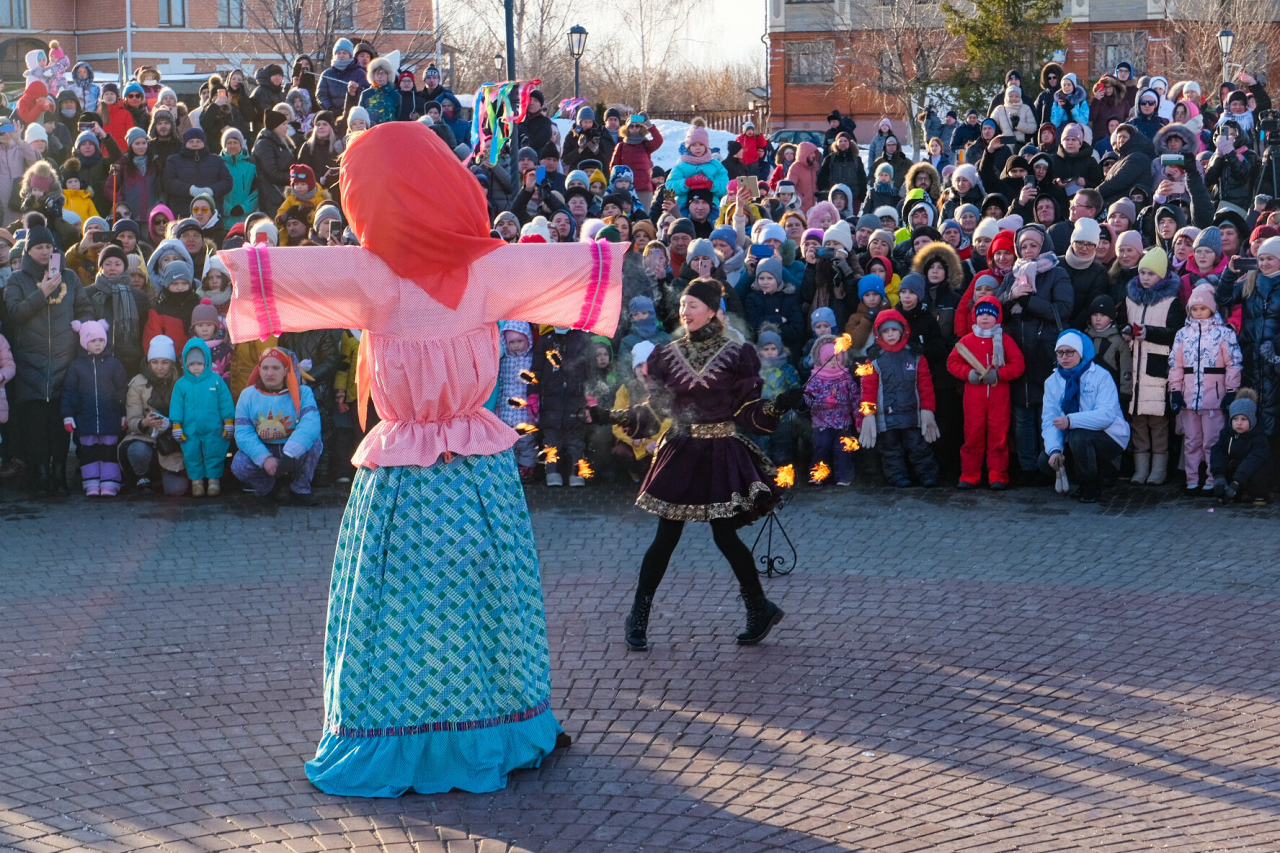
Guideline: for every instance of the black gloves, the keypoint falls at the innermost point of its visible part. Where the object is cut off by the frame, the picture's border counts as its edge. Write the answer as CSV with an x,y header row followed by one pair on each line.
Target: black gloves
x,y
600,415
1225,491
287,468
1227,399
790,400
1177,402
1220,487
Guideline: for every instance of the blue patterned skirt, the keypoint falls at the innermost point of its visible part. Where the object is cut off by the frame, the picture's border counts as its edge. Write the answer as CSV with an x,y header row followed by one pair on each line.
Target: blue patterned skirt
x,y
436,669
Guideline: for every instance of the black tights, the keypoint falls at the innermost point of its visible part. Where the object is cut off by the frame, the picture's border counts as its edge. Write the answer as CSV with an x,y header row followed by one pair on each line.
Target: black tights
x,y
725,533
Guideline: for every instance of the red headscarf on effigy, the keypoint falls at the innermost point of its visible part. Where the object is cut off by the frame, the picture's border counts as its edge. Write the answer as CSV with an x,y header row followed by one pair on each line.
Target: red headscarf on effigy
x,y
413,204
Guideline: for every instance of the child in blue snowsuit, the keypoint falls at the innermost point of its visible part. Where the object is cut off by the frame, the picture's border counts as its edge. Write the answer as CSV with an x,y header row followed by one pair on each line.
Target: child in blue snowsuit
x,y
698,160
203,418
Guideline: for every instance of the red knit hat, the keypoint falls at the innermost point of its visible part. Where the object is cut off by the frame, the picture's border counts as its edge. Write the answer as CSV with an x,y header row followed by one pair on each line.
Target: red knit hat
x,y
1003,240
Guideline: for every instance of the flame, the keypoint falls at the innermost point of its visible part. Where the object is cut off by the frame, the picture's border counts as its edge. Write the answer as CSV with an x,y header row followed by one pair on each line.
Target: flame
x,y
517,402
528,378
550,455
867,408
819,472
526,429
786,476
584,470
865,369
843,343
848,443
553,356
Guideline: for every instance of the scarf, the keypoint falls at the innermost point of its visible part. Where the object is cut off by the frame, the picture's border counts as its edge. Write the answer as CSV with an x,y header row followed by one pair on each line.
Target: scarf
x,y
996,333
342,64
140,163
161,389
1076,262
1071,391
124,309
647,327
830,366
697,161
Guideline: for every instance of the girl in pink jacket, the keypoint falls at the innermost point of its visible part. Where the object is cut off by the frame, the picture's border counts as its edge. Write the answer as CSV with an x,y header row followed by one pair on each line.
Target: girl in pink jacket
x,y
1204,375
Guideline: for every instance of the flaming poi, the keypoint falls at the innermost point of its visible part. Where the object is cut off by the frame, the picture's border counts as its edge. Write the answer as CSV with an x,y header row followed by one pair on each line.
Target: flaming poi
x,y
864,369
553,356
786,476
526,429
550,455
819,472
527,377
843,343
584,470
517,402
849,443
867,408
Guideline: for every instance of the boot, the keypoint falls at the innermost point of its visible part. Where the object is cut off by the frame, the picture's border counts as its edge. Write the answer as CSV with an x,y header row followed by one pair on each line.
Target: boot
x,y
197,488
41,483
1141,468
638,623
762,615
90,479
58,473
214,488
1159,469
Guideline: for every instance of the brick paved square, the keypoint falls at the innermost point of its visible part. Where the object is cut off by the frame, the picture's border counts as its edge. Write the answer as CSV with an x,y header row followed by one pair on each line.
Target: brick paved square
x,y
956,672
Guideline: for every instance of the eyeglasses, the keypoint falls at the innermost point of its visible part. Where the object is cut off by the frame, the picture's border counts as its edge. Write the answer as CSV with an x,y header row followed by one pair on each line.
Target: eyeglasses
x,y
1148,103
1064,353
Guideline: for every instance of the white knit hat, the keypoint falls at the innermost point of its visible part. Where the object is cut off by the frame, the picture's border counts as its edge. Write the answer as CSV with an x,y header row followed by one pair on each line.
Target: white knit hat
x,y
272,232
1271,247
640,353
771,231
1086,231
35,133
162,347
841,234
987,228
537,227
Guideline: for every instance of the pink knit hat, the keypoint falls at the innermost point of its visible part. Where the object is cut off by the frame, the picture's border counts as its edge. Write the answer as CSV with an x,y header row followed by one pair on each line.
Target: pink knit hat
x,y
1203,294
697,133
90,330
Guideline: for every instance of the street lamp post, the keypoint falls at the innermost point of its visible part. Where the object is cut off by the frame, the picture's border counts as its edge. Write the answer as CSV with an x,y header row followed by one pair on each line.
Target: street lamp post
x,y
500,64
577,47
1226,39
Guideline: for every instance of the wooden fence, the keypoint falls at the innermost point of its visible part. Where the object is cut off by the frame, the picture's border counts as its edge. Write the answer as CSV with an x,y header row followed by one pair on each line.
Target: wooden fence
x,y
727,120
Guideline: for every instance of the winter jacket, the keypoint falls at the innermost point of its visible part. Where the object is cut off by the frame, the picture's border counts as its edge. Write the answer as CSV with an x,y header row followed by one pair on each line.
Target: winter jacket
x,y
321,346
265,95
1260,322
95,169
138,399
188,169
1087,284
1150,125
560,391
1099,409
266,422
594,144
901,164
273,157
844,167
117,121
1035,328
639,157
15,157
214,119
1241,457
40,333
1157,310
1114,355
321,156
510,366
1079,165
382,103
171,316
331,89
93,394
713,171
85,89
900,385
833,400
202,404
1205,362
127,184
804,176
242,199
535,131
1132,169
1233,177
8,369
780,308
1016,121
125,346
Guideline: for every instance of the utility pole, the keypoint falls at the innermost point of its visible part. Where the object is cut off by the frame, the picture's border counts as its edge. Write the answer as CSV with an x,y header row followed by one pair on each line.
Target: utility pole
x,y
509,7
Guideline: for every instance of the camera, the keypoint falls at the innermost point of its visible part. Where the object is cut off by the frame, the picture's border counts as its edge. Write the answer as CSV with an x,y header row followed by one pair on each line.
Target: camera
x,y
1269,121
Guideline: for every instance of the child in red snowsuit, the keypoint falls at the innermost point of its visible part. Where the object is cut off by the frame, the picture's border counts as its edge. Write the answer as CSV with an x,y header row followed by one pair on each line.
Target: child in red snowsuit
x,y
989,362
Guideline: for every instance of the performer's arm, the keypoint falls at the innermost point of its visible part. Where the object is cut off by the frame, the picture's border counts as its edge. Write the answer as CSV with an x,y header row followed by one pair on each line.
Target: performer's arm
x,y
562,284
302,288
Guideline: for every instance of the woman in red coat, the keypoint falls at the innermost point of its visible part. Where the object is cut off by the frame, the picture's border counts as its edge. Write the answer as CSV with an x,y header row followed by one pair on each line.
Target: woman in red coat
x,y
635,149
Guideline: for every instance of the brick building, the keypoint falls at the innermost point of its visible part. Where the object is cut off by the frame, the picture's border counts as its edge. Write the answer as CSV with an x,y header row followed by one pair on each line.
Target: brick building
x,y
818,54
189,39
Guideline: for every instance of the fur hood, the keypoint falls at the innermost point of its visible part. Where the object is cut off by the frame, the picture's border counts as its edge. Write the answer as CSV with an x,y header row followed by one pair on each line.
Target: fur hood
x,y
44,169
1051,68
939,250
935,186
1166,289
1189,140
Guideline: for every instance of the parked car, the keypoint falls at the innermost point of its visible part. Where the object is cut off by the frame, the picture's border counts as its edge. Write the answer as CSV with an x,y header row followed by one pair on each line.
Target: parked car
x,y
795,137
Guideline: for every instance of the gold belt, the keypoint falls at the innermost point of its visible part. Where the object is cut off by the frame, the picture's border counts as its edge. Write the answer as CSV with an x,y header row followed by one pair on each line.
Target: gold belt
x,y
724,429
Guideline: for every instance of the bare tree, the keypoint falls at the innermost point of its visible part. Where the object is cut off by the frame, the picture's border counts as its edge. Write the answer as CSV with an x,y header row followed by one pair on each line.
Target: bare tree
x,y
542,51
898,49
655,34
1193,52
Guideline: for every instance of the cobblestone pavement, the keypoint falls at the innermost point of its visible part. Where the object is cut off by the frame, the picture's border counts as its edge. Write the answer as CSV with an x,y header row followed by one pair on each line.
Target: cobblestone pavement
x,y
956,672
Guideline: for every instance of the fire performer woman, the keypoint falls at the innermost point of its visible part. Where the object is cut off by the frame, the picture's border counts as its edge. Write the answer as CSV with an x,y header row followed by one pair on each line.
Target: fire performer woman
x,y
705,469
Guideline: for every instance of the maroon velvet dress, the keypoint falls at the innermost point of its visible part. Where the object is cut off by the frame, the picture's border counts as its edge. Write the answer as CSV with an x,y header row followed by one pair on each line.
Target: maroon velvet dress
x,y
705,468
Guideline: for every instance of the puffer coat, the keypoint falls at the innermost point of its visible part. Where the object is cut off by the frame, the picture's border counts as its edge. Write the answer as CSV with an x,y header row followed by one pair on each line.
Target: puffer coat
x,y
44,344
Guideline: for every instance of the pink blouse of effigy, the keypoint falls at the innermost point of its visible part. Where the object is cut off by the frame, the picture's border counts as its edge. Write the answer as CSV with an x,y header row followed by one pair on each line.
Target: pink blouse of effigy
x,y
430,369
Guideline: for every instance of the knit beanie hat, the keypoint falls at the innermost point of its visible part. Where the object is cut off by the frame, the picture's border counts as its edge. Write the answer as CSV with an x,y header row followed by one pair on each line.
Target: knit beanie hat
x,y
90,330
133,134
1103,304
985,280
839,233
1270,247
1210,238
361,114
538,230
868,283
915,283
162,347
768,337
886,212
175,271
113,251
772,266
194,133
343,44
205,312
987,305
640,353
1086,231
986,228
1156,260
697,133
703,249
1203,294
786,186
1124,206
265,226
725,233
1073,131
967,171
1132,239
35,133
816,234
39,236
883,235
885,169
1034,229
1189,231
1245,404
682,226
822,315
868,220
770,231
708,291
